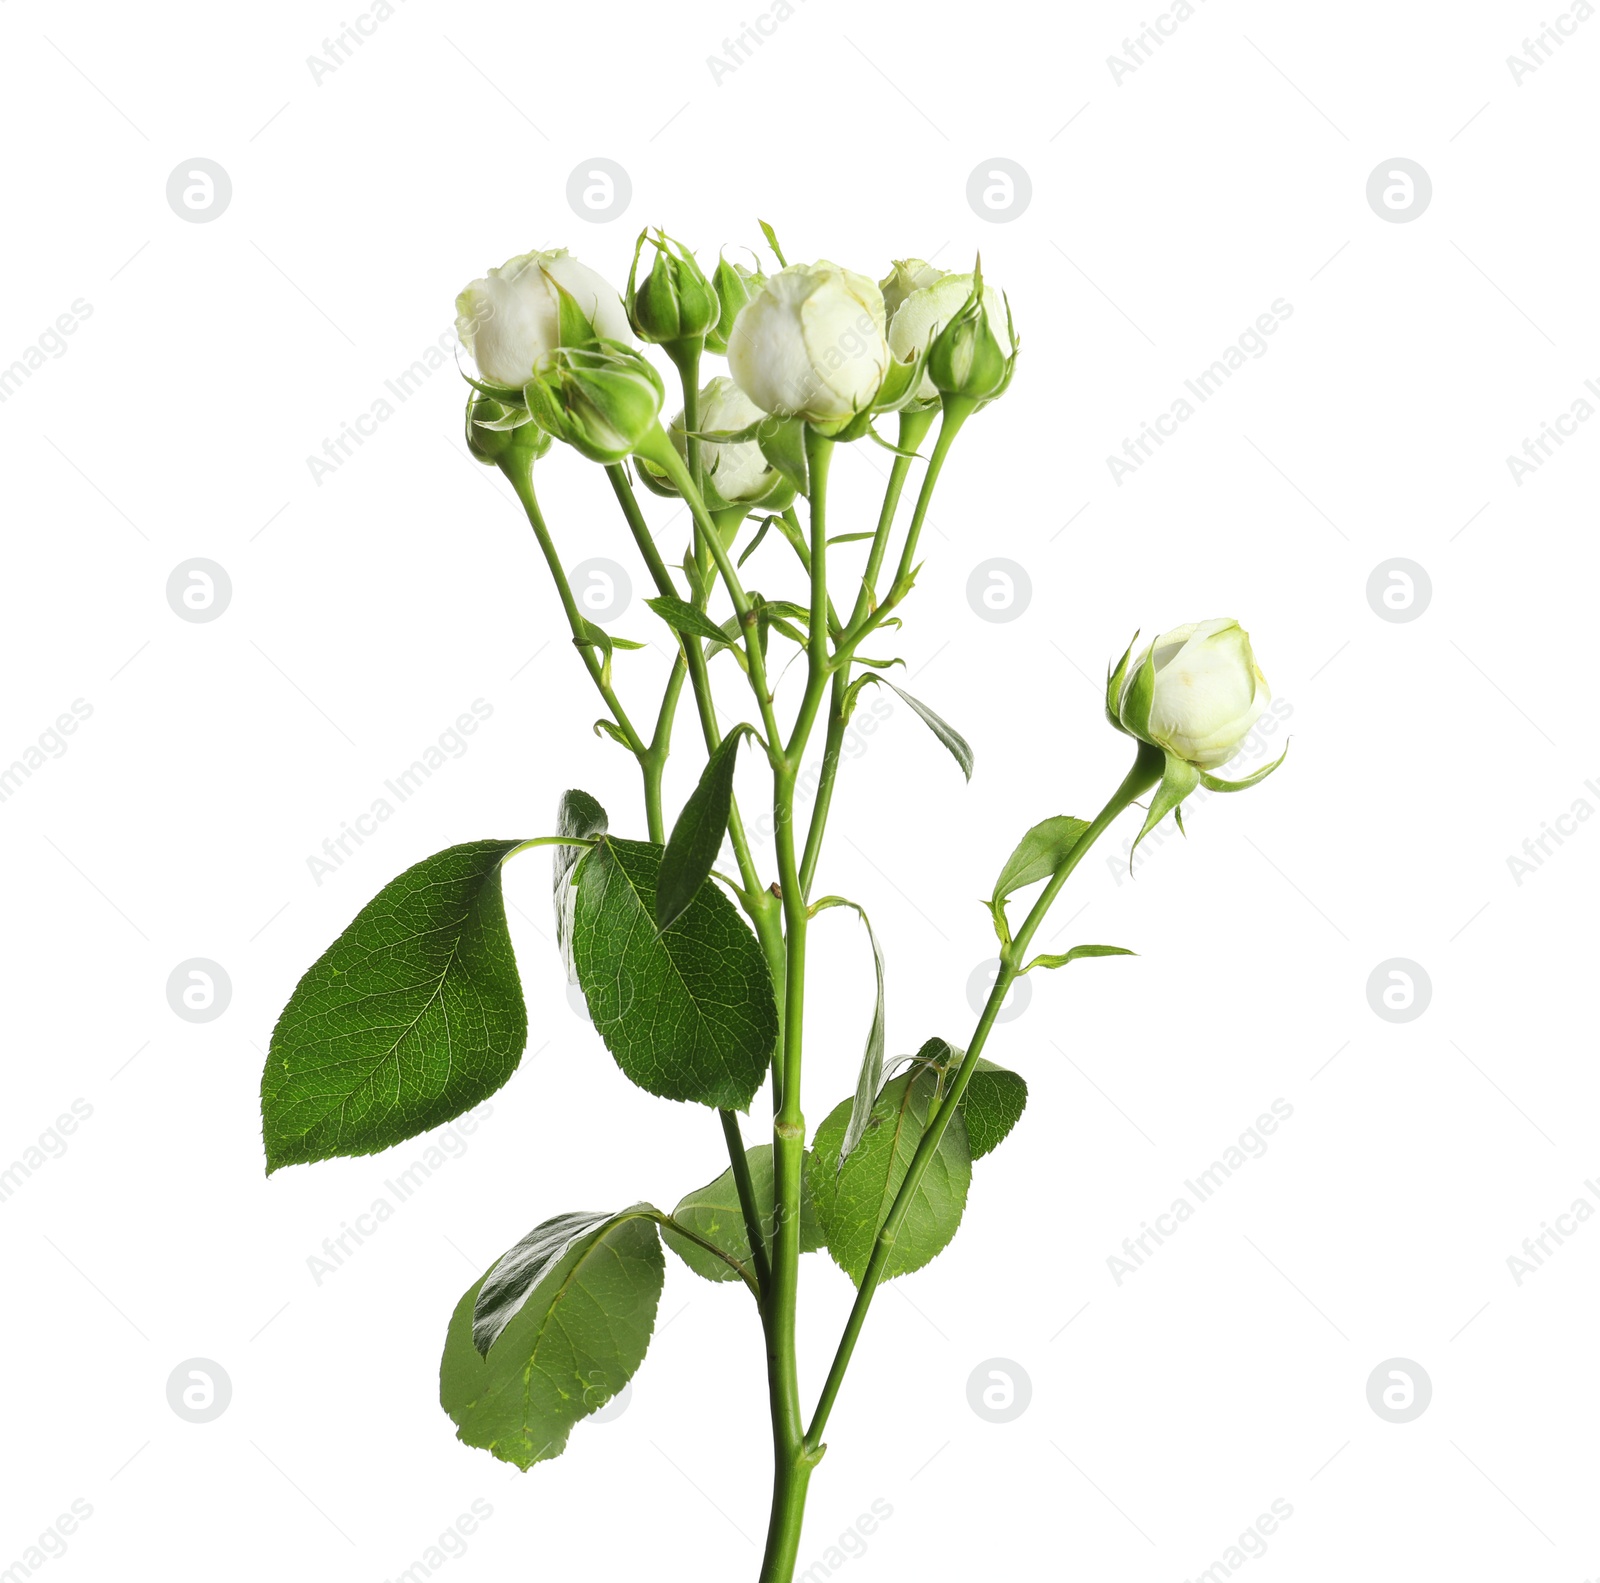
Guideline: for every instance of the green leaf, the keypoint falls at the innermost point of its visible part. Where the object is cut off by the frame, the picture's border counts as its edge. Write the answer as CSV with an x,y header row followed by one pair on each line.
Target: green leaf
x,y
732,631
993,1102
412,1016
952,740
713,1212
854,1199
596,637
755,543
698,831
1039,854
947,734
572,1308
689,1013
681,616
1076,952
871,1075
577,814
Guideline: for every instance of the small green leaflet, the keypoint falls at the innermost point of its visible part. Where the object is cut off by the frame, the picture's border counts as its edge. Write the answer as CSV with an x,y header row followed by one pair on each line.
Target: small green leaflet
x,y
713,1212
1077,951
571,1318
953,740
697,835
681,616
854,1199
871,1075
688,1013
754,544
596,637
412,1016
1039,854
577,814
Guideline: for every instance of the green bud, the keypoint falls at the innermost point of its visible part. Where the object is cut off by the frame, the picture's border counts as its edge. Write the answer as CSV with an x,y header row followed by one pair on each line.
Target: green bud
x,y
735,286
602,399
675,301
972,357
500,434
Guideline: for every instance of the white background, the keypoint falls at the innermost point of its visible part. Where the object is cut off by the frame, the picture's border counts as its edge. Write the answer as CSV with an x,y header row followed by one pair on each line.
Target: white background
x,y
1168,211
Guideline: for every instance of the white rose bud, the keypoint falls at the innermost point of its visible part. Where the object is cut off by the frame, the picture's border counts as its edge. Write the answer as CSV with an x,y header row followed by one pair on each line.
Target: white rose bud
x,y
925,312
508,320
907,276
1208,691
1192,696
811,344
738,472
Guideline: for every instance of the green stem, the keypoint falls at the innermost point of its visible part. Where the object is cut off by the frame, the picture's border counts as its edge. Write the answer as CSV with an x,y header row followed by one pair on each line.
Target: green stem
x,y
913,427
819,453
782,1554
1146,772
521,477
685,356
695,667
663,1219
657,448
791,1463
793,1460
955,413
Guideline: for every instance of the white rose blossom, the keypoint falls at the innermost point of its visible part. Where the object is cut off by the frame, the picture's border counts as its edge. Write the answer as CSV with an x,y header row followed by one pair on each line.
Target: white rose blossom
x,y
811,343
511,318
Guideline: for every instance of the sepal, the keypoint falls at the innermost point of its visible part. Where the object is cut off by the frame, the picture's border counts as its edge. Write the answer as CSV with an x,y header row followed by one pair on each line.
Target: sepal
x,y
1217,784
1178,779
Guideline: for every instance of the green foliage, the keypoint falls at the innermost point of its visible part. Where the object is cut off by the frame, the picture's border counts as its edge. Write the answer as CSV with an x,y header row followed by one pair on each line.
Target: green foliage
x,y
992,1105
1037,856
853,1199
992,1102
412,1016
688,1013
697,835
871,1076
713,1212
566,1317
681,616
954,742
578,815
1060,959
